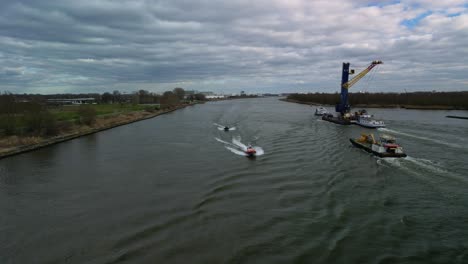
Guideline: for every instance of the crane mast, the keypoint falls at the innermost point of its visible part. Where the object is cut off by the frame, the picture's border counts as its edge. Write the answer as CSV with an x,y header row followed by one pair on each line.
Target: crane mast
x,y
343,106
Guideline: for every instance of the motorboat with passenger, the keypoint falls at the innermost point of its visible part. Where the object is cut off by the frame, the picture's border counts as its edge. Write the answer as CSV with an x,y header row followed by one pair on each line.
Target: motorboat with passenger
x,y
320,111
250,151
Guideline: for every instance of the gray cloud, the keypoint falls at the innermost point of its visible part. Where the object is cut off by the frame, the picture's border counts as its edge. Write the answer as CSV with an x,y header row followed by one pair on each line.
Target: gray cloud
x,y
226,46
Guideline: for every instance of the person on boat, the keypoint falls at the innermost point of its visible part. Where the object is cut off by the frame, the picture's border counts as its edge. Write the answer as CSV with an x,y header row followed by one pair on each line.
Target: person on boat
x,y
363,138
250,150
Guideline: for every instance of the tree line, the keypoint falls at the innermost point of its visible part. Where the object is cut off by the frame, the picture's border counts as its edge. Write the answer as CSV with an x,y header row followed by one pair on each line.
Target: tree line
x,y
31,114
175,96
168,98
458,100
25,118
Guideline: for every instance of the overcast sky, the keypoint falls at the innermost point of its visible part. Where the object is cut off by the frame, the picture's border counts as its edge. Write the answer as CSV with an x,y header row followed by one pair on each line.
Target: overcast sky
x,y
52,46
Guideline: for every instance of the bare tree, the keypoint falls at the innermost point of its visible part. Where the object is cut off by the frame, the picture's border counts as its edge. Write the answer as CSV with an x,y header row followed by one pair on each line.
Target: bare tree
x,y
179,92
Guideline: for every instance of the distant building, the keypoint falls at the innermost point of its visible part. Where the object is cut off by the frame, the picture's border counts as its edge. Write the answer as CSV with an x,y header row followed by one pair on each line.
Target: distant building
x,y
22,100
72,101
215,96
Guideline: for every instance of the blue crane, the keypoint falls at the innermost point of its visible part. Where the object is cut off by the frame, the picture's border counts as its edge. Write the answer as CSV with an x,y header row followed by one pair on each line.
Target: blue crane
x,y
343,106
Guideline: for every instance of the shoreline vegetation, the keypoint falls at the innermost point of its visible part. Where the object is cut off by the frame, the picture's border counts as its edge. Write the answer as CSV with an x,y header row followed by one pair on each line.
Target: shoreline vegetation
x,y
14,145
27,125
415,100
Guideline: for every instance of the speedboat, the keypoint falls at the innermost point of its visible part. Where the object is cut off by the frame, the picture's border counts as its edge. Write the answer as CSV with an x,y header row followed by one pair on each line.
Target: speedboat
x,y
250,151
367,121
225,127
385,147
320,111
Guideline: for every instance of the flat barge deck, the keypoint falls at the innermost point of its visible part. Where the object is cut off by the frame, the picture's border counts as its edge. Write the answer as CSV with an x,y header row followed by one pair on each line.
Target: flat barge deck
x,y
336,120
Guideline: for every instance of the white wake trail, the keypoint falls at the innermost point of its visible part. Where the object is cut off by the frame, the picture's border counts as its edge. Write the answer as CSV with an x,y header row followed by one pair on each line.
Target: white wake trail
x,y
259,151
237,141
224,142
420,137
422,168
236,151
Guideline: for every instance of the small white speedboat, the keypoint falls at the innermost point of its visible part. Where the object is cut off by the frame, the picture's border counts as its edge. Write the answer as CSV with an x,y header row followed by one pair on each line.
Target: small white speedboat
x,y
320,111
369,122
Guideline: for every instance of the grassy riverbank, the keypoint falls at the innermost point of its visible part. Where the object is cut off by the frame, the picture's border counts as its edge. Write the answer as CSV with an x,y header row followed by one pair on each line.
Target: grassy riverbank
x,y
416,100
71,112
108,116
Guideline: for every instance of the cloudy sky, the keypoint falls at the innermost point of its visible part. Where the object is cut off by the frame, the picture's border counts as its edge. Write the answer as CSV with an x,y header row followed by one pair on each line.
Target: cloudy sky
x,y
52,46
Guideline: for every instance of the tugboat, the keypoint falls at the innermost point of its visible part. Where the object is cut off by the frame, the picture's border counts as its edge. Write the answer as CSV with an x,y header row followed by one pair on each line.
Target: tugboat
x,y
386,147
250,151
320,111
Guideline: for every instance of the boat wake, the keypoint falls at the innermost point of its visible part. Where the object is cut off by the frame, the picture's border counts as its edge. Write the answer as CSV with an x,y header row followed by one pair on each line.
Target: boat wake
x,y
415,163
236,151
239,148
427,164
424,169
420,137
221,127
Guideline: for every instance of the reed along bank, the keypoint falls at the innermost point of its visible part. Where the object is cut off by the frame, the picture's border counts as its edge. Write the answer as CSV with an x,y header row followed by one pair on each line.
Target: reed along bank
x,y
414,100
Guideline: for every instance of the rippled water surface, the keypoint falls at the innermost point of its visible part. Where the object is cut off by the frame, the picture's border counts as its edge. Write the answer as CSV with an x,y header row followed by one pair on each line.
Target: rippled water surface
x,y
172,190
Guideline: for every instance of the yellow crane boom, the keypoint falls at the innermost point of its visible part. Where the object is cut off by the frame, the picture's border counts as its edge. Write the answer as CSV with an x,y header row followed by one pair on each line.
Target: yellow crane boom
x,y
356,78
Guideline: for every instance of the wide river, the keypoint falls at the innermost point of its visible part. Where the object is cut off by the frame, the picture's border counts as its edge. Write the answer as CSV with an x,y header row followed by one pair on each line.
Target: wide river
x,y
172,190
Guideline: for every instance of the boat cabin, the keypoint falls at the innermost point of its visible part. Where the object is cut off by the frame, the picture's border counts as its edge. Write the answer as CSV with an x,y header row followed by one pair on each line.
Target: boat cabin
x,y
387,139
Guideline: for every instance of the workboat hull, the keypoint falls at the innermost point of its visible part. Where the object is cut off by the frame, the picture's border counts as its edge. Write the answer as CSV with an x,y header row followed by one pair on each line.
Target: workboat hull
x,y
368,125
379,154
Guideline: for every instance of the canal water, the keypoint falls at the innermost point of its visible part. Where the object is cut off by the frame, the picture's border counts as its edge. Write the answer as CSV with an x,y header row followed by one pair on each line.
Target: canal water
x,y
173,190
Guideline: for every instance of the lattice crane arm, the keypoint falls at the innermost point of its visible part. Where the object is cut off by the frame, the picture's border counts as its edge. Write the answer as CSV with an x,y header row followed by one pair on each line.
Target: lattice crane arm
x,y
363,73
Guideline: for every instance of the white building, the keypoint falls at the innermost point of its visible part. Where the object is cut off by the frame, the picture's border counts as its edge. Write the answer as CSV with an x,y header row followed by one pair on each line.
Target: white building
x,y
215,96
